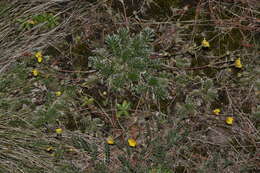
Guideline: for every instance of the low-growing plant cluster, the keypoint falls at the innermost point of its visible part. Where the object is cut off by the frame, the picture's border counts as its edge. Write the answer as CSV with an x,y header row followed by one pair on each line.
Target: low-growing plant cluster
x,y
112,86
125,63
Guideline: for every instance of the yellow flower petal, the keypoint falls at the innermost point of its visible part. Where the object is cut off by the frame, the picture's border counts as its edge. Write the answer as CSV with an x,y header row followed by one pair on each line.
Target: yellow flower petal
x,y
238,63
229,120
39,56
39,59
216,111
35,72
110,140
58,93
205,43
132,142
58,130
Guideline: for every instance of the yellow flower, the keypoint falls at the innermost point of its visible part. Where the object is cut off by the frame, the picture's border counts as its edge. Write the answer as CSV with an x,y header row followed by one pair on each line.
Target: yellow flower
x,y
132,142
216,111
110,140
39,59
229,120
58,130
58,93
35,72
39,56
205,43
238,63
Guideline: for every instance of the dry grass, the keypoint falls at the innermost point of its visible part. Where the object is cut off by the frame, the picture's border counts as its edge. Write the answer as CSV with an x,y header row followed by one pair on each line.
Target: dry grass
x,y
179,134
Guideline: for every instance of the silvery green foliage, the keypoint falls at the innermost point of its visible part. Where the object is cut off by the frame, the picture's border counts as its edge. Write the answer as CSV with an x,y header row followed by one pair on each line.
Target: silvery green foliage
x,y
125,64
